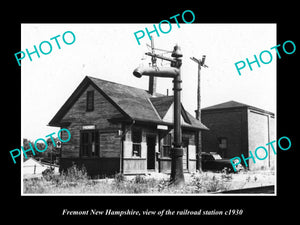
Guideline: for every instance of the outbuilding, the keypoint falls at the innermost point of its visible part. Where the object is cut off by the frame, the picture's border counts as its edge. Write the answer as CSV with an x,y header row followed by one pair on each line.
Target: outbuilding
x,y
117,128
237,128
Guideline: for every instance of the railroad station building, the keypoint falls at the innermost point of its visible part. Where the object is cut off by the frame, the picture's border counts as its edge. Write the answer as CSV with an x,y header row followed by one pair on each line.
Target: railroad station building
x,y
117,128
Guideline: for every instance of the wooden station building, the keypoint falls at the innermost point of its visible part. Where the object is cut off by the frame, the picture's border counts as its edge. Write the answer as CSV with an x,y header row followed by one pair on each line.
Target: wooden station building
x,y
117,128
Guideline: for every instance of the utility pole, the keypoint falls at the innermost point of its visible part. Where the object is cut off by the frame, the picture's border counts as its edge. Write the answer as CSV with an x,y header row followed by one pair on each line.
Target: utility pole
x,y
152,79
153,58
198,110
177,177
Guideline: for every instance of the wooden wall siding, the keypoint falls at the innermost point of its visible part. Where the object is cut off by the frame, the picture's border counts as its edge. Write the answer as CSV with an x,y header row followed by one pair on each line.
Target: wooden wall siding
x,y
128,141
71,148
165,165
135,165
144,150
146,130
190,135
138,164
127,149
110,145
78,117
103,110
192,152
192,166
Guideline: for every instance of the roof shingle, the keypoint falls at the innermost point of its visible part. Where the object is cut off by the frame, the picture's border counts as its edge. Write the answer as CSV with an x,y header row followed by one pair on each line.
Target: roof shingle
x,y
135,103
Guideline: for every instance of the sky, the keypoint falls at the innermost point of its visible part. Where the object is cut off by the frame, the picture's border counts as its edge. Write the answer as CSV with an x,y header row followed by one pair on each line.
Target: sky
x,y
111,52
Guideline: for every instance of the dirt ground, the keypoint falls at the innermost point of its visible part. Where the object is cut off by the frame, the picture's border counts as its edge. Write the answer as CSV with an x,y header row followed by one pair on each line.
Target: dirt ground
x,y
243,179
151,183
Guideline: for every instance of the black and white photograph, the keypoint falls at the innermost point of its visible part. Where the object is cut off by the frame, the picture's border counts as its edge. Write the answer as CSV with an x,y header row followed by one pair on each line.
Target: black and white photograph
x,y
144,112
166,114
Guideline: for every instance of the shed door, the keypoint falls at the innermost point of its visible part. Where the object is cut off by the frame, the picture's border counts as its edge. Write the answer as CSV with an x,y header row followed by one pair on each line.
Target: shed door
x,y
185,158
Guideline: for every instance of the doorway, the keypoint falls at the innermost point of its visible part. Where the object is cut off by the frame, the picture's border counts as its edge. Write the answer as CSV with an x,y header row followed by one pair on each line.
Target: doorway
x,y
185,158
151,142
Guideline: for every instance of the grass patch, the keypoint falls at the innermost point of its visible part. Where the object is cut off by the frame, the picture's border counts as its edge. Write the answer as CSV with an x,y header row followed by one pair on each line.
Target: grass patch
x,y
76,181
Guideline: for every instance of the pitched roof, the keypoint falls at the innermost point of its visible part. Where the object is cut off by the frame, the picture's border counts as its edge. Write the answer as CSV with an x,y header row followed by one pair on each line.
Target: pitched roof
x,y
162,104
133,103
231,105
225,105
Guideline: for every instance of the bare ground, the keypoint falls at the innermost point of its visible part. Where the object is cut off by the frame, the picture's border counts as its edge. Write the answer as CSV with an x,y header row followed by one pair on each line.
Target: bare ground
x,y
152,183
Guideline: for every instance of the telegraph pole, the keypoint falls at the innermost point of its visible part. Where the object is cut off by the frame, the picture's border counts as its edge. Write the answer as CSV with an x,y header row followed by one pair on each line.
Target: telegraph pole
x,y
152,79
198,110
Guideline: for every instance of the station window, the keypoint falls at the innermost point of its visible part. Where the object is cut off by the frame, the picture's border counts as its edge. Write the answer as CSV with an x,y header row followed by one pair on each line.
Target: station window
x,y
89,143
136,139
223,144
90,101
166,146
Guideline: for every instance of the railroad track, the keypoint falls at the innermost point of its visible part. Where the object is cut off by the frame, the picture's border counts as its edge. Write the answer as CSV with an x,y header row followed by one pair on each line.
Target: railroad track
x,y
270,189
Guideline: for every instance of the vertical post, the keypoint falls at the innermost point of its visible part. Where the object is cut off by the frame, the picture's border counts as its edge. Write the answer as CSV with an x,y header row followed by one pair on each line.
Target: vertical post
x,y
177,177
177,111
51,152
198,112
200,63
153,58
152,79
198,117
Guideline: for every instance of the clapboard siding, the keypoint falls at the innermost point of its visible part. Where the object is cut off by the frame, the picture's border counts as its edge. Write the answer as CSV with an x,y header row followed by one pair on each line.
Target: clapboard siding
x,y
77,116
135,165
103,110
110,145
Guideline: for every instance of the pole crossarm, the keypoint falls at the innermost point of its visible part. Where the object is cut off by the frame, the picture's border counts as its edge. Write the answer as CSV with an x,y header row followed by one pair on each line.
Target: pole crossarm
x,y
199,62
160,57
195,60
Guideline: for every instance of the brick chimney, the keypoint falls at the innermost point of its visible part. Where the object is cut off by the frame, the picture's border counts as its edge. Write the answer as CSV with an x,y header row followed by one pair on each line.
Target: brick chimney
x,y
152,85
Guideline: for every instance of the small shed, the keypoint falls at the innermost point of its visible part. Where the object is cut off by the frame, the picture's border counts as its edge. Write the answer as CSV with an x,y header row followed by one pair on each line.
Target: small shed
x,y
237,128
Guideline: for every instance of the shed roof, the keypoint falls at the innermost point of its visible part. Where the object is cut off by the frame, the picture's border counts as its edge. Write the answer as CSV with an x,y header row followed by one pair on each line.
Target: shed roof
x,y
232,105
133,103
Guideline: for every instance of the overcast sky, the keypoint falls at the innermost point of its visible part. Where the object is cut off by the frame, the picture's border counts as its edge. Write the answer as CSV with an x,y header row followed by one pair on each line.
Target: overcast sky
x,y
111,52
